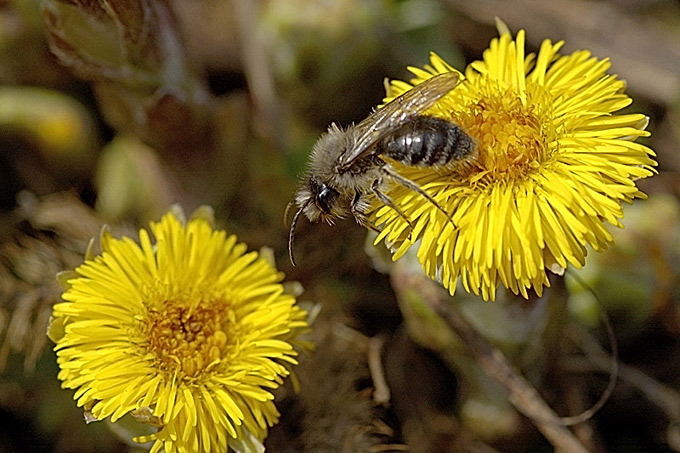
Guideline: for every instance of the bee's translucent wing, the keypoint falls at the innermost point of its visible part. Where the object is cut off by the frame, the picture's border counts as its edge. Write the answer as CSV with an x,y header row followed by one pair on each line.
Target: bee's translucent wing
x,y
397,113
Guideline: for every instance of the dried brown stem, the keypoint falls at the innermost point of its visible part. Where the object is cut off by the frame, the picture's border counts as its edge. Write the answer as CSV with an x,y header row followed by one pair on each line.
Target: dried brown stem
x,y
521,393
381,395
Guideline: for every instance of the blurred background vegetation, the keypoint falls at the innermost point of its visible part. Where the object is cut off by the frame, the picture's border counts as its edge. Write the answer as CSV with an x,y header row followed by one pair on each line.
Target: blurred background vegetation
x,y
112,111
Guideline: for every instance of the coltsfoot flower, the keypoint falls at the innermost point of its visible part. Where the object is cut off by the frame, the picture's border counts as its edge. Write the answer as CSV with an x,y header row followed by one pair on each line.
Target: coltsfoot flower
x,y
189,334
554,163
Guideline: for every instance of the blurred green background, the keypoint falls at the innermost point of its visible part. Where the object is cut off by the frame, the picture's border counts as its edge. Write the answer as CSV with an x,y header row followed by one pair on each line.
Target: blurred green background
x,y
110,112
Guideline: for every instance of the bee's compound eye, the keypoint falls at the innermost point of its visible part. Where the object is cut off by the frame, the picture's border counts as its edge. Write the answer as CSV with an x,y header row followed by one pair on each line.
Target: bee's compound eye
x,y
325,198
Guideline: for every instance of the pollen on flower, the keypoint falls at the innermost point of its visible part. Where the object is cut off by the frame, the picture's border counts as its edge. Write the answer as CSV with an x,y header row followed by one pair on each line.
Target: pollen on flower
x,y
186,339
510,137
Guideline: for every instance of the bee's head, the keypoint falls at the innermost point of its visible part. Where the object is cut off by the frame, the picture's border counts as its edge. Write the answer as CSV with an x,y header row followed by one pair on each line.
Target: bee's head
x,y
320,202
325,203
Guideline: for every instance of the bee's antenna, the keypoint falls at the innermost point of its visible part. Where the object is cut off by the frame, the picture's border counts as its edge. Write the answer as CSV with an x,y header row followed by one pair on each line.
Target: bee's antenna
x,y
286,212
291,233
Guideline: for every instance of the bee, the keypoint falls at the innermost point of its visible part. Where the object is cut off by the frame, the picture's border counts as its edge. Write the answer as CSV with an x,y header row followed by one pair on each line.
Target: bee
x,y
346,165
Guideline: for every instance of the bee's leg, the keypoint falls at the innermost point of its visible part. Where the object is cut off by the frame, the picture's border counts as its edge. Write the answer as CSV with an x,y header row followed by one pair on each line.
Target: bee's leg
x,y
388,202
389,171
359,215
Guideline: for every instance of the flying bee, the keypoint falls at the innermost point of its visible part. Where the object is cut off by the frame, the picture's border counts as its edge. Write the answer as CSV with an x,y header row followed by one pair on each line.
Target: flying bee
x,y
346,165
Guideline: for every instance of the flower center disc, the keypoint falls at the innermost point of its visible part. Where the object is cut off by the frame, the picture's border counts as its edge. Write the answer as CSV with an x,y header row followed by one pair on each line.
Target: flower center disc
x,y
511,139
184,339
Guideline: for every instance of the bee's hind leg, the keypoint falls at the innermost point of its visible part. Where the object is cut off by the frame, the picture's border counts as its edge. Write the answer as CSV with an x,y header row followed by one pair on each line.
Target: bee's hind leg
x,y
391,173
360,215
387,201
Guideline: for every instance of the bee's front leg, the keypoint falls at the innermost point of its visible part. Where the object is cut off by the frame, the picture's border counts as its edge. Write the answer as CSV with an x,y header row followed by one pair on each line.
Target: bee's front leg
x,y
358,208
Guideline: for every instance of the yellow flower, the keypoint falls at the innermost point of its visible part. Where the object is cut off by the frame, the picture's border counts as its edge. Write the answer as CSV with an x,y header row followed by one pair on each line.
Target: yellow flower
x,y
189,334
553,164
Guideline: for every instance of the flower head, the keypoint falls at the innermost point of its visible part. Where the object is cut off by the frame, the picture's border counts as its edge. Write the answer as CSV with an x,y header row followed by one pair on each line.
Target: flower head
x,y
189,334
553,164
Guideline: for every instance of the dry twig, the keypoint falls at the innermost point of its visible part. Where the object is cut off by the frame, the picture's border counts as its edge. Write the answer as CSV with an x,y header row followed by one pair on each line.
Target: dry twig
x,y
521,393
